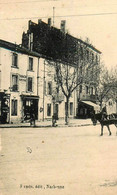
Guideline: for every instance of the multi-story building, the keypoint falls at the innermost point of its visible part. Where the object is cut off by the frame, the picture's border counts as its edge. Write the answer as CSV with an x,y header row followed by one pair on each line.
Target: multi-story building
x,y
18,82
58,45
28,81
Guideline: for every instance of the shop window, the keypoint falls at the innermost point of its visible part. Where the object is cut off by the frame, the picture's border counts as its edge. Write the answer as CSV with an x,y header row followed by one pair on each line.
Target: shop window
x,y
14,60
14,108
49,88
30,82
48,109
14,82
71,108
30,63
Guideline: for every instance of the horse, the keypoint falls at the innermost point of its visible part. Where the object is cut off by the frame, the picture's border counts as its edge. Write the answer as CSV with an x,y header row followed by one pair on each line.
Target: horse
x,y
104,121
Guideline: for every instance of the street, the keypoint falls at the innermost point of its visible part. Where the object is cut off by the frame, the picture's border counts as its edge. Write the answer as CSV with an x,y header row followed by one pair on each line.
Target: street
x,y
52,161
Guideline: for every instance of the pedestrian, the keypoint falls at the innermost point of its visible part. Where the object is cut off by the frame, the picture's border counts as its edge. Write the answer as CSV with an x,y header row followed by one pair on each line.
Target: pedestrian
x,y
32,119
54,120
104,113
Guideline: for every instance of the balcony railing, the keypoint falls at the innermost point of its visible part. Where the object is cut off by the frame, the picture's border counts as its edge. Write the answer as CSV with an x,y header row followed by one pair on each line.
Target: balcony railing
x,y
15,88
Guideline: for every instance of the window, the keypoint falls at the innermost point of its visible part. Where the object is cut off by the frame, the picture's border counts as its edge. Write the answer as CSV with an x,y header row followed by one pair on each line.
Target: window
x,y
30,84
110,103
14,108
49,88
87,54
87,89
96,59
30,63
81,53
14,60
92,57
48,109
80,88
80,70
71,108
14,82
91,90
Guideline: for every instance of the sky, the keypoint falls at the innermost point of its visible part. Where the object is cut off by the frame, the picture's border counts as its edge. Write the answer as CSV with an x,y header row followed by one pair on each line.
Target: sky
x,y
92,19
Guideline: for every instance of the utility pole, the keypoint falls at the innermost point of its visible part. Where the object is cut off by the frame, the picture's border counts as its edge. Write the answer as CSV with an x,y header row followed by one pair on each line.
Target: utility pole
x,y
53,14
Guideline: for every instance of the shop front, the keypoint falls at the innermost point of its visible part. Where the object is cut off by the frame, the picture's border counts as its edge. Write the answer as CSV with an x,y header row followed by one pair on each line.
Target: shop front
x,y
4,108
85,108
30,106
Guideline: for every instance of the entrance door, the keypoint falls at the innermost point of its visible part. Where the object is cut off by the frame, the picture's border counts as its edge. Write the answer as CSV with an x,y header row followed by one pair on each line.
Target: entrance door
x,y
4,108
30,107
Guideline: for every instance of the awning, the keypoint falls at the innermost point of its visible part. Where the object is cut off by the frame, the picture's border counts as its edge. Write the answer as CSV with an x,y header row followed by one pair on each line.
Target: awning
x,y
95,106
34,97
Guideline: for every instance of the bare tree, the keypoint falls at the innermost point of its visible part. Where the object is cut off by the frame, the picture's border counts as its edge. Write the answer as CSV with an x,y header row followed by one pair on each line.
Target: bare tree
x,y
69,77
107,85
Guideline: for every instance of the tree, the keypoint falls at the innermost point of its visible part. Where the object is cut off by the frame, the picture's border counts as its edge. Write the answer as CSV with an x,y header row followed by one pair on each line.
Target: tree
x,y
69,77
107,85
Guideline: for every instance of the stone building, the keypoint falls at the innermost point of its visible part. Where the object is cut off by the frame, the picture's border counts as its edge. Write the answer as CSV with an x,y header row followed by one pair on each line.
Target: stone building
x,y
28,82
58,45
18,82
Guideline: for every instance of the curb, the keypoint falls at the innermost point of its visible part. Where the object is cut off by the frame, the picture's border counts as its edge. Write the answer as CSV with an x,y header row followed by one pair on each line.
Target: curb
x,y
39,126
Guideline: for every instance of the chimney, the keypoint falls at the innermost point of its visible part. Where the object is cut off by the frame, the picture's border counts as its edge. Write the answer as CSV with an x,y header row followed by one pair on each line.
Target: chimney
x,y
63,22
29,24
39,21
49,22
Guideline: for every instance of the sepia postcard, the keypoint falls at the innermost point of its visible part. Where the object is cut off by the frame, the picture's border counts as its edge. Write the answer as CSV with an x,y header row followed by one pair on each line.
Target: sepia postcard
x,y
58,97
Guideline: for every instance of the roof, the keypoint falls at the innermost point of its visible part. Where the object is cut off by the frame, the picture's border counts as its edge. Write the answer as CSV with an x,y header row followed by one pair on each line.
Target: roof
x,y
47,28
55,44
17,48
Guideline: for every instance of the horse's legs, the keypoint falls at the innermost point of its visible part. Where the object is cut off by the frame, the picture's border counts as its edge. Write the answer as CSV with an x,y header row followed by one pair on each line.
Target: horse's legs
x,y
101,130
109,129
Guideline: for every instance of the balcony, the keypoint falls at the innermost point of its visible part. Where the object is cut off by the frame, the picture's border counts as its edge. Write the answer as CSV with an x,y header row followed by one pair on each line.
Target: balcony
x,y
15,88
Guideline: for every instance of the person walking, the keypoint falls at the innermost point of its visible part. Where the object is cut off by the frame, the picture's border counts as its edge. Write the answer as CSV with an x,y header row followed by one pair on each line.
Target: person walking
x,y
32,119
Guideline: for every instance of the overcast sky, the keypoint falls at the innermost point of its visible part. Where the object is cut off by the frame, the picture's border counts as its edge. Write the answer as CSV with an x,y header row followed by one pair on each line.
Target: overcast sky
x,y
94,19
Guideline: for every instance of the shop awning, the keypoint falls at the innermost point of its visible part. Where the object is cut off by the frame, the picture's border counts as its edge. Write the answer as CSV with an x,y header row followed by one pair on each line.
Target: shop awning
x,y
34,97
95,106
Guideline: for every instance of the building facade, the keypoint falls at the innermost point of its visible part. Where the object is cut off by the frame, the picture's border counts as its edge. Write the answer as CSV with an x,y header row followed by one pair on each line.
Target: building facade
x,y
58,45
18,83
28,82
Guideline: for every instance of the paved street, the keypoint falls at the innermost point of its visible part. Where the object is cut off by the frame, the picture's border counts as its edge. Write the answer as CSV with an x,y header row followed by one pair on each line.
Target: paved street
x,y
52,161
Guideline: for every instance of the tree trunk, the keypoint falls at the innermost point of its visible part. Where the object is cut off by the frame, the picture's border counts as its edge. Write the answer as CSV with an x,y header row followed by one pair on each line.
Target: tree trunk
x,y
67,111
100,104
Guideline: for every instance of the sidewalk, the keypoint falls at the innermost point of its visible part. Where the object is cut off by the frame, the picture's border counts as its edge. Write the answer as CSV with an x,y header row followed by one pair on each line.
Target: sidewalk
x,y
60,123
